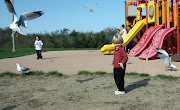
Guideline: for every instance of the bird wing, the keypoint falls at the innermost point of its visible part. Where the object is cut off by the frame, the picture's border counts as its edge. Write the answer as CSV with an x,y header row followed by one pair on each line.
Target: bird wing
x,y
85,7
15,20
10,6
24,69
11,9
164,56
29,16
93,6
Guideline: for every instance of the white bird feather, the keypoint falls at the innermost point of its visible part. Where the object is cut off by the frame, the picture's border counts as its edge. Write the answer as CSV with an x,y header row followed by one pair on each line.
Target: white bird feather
x,y
165,57
23,18
21,69
90,9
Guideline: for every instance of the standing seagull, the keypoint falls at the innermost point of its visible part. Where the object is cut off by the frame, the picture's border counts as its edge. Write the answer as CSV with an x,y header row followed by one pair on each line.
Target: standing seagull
x,y
23,18
90,9
165,57
21,69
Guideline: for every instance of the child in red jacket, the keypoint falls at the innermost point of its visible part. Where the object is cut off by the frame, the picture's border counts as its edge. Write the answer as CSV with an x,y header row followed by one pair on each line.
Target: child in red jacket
x,y
119,63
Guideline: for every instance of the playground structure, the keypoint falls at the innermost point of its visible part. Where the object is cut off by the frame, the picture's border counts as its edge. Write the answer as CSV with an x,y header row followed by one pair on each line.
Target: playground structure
x,y
158,28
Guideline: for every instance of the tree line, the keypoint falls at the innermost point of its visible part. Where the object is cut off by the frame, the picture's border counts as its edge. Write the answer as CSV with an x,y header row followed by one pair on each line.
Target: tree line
x,y
60,38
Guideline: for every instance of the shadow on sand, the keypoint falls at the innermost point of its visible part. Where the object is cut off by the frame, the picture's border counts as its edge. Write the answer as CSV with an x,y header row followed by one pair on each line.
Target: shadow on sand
x,y
9,107
136,85
82,81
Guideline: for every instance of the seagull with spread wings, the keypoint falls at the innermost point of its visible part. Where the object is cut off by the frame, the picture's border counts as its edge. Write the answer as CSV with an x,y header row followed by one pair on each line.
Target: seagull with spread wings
x,y
23,18
162,54
90,9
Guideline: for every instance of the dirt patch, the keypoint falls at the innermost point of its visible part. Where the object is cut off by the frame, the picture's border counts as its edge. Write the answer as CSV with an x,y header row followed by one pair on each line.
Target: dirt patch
x,y
88,93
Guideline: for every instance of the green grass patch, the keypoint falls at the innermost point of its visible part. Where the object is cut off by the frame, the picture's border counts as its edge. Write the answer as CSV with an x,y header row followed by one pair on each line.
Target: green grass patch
x,y
131,74
84,73
137,74
144,75
37,73
54,73
161,76
7,52
31,73
8,74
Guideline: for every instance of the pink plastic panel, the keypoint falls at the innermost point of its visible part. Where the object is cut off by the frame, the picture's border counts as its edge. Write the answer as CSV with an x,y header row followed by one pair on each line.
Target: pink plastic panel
x,y
144,41
157,41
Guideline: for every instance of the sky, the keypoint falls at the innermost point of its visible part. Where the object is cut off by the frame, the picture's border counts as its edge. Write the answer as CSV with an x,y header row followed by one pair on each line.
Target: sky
x,y
59,14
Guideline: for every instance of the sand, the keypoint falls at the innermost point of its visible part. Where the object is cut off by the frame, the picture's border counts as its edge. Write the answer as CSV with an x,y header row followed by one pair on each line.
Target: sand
x,y
73,92
88,93
71,62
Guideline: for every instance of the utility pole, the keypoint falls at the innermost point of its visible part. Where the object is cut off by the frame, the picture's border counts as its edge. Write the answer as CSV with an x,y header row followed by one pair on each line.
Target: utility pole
x,y
13,39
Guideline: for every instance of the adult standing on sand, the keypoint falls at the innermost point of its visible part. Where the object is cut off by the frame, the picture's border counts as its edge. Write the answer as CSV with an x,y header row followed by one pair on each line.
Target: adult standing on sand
x,y
123,31
38,46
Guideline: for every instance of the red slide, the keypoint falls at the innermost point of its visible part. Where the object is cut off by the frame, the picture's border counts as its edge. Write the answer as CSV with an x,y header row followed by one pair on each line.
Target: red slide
x,y
144,41
157,41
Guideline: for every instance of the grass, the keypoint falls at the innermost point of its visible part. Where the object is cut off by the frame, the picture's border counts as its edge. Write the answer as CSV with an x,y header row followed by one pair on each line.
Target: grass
x,y
36,73
7,52
92,73
32,73
103,73
55,73
8,74
132,74
161,76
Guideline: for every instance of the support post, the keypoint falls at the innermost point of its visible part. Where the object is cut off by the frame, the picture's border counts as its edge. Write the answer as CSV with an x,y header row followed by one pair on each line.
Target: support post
x,y
125,15
146,15
172,13
177,8
13,38
165,12
155,2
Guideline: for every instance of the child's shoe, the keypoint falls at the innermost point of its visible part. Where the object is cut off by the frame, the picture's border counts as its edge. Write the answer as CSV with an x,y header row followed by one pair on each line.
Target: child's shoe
x,y
119,92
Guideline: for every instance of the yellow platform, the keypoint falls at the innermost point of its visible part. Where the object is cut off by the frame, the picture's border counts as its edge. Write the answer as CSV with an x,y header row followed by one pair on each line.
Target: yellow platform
x,y
106,49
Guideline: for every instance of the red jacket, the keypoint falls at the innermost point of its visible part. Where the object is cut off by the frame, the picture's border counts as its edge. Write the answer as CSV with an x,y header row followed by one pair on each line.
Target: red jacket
x,y
120,56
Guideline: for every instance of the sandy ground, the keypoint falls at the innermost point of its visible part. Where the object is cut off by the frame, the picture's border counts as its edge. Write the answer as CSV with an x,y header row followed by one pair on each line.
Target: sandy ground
x,y
88,93
71,62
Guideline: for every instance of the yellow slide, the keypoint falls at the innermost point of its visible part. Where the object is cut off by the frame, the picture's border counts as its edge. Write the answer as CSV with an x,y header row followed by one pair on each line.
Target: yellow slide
x,y
133,32
106,49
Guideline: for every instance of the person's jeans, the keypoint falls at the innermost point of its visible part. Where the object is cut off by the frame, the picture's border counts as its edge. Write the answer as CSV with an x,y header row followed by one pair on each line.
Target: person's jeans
x,y
119,78
39,56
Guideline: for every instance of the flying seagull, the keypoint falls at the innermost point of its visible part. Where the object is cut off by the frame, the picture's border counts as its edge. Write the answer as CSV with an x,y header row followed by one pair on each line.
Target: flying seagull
x,y
21,69
23,18
165,57
90,9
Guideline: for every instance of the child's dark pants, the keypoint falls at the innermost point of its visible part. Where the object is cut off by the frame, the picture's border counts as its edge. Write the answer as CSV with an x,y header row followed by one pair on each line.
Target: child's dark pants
x,y
119,78
39,56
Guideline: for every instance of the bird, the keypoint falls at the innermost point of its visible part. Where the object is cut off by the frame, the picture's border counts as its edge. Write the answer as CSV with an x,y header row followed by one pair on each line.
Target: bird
x,y
162,54
24,17
22,69
90,9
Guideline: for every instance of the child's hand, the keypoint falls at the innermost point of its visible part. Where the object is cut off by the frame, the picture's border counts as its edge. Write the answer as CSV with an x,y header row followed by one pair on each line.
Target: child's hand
x,y
121,64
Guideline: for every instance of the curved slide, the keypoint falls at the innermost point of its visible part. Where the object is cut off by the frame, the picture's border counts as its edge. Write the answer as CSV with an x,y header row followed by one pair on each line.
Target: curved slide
x,y
157,41
133,32
106,49
144,41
